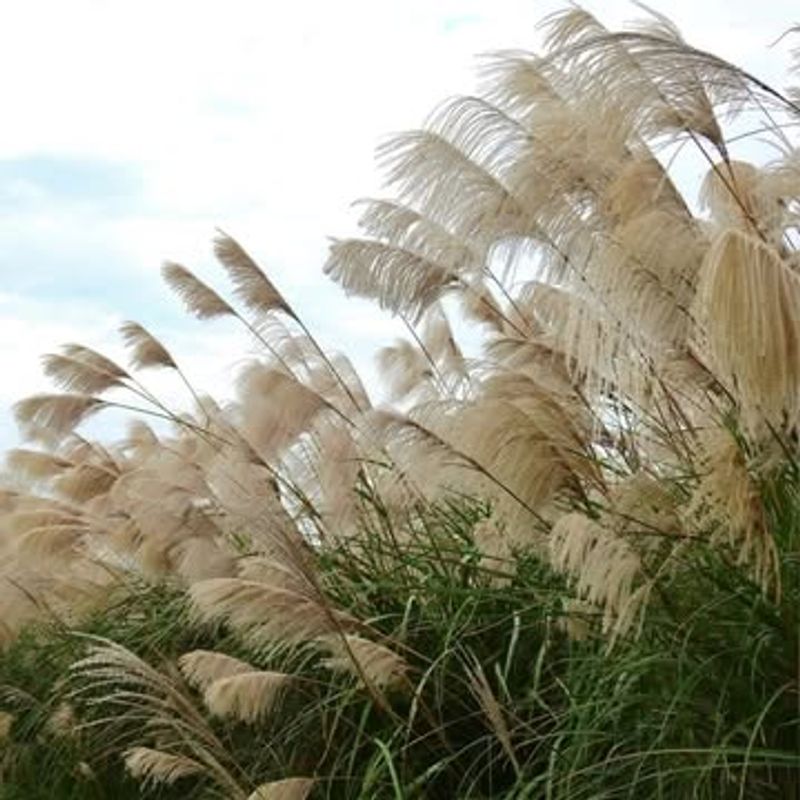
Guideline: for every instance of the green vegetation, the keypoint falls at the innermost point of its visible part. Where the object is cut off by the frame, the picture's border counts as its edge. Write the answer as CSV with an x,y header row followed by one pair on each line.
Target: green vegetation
x,y
497,700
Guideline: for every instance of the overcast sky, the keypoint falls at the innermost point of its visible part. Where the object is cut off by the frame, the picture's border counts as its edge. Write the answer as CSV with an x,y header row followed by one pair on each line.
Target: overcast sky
x,y
132,129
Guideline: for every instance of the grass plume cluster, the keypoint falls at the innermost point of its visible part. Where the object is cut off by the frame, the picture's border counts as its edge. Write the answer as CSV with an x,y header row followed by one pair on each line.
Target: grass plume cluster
x,y
561,565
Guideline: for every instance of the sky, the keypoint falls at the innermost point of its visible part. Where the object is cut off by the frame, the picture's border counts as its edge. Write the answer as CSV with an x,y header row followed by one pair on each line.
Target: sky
x,y
131,130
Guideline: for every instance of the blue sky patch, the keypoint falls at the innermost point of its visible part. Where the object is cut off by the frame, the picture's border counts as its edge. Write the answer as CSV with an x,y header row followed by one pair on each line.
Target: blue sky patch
x,y
35,181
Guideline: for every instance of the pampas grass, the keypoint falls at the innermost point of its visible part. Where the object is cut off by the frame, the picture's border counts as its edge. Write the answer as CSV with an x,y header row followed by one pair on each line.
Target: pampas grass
x,y
57,414
371,661
250,283
199,299
203,667
248,696
560,563
145,349
287,789
153,766
261,611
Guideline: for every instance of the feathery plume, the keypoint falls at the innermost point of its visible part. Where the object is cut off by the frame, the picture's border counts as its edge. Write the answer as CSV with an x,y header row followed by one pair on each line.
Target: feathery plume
x,y
56,414
492,710
365,659
641,185
63,721
401,226
263,612
748,304
6,721
203,667
632,71
246,696
85,481
251,285
400,280
52,541
94,359
274,573
145,349
35,465
727,503
140,441
199,299
275,408
457,189
406,370
605,567
286,789
78,369
157,767
203,554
